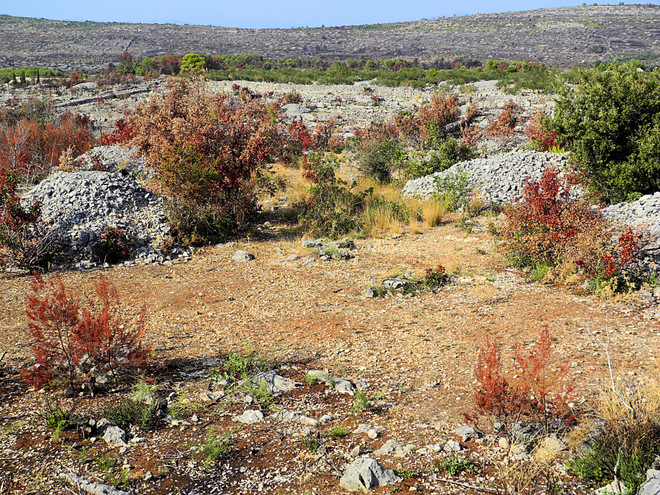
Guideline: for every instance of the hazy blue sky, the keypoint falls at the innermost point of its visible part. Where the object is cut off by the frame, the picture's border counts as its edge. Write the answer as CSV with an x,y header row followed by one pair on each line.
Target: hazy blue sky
x,y
261,14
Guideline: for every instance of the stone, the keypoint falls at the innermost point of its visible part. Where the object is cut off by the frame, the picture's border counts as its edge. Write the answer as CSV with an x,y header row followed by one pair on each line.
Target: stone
x,y
388,447
614,488
312,243
652,484
249,417
274,383
92,488
240,256
365,474
452,446
115,436
467,433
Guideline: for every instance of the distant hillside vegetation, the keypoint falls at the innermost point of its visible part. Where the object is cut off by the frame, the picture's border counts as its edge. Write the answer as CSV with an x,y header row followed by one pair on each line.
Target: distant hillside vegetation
x,y
561,36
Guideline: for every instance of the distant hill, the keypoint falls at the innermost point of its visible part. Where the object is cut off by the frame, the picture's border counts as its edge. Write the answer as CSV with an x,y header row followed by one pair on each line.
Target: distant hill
x,y
560,36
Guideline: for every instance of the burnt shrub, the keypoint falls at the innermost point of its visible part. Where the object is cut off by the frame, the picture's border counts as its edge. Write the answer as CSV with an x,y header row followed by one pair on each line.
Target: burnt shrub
x,y
69,340
553,228
207,150
539,392
23,241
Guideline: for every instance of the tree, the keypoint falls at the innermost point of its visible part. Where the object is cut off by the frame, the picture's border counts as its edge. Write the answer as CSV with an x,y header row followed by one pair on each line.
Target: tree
x,y
611,123
192,63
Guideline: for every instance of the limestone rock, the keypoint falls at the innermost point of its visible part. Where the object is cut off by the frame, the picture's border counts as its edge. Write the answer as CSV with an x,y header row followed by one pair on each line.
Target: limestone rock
x,y
366,474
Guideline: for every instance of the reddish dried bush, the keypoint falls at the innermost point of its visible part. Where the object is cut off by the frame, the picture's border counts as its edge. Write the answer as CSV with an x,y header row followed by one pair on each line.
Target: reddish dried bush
x,y
31,150
206,149
539,389
552,227
543,138
434,117
23,244
122,133
506,122
70,342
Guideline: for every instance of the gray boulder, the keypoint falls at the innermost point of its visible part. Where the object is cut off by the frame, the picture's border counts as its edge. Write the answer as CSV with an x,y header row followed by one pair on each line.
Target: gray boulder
x,y
250,417
93,488
114,436
274,383
652,484
242,256
366,474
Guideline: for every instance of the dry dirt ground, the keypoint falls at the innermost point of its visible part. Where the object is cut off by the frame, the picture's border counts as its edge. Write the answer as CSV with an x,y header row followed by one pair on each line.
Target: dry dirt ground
x,y
417,354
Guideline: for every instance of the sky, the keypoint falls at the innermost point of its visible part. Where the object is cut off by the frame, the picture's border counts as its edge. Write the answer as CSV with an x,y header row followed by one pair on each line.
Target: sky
x,y
264,14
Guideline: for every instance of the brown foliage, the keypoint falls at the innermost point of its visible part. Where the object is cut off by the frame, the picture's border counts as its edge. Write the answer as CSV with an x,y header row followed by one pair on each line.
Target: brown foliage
x,y
32,150
553,227
505,124
540,393
206,148
70,341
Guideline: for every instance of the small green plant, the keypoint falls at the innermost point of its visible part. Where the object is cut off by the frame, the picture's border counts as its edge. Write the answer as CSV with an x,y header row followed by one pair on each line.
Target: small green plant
x,y
239,366
83,454
311,379
260,394
378,290
106,463
405,473
131,412
338,432
311,443
361,402
216,447
539,272
12,428
56,418
453,466
452,190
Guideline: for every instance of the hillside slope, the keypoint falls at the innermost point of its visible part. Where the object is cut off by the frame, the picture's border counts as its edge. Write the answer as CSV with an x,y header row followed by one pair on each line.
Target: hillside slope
x,y
559,36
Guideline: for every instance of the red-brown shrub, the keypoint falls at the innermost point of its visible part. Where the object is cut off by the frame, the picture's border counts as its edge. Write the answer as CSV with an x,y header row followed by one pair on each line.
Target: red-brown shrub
x,y
31,150
505,124
542,137
69,341
23,244
122,133
540,391
206,149
552,227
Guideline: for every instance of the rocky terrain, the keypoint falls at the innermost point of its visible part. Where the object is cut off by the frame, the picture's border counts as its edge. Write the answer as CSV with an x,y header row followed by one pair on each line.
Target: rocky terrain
x,y
345,391
558,36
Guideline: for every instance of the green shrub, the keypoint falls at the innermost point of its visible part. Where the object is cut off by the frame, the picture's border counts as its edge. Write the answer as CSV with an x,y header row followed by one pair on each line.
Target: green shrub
x,y
132,412
216,447
454,466
610,122
448,153
331,209
379,159
452,190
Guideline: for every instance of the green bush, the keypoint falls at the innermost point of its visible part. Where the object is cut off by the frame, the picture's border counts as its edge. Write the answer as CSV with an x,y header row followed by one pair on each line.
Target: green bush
x,y
378,159
331,209
610,122
448,153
